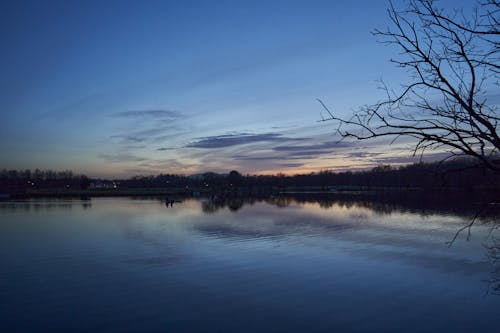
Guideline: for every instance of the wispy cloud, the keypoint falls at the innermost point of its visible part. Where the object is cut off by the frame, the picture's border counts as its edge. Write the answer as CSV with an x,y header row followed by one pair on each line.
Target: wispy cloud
x,y
132,147
292,165
155,114
362,154
310,151
431,157
147,125
129,138
252,158
121,157
157,166
270,151
156,134
228,140
318,146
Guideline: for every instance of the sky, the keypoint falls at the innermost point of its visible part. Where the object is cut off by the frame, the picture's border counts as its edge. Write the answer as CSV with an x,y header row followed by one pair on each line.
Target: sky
x,y
123,88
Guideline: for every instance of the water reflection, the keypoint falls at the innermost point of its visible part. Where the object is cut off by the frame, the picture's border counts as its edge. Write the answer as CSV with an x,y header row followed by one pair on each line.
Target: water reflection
x,y
390,219
493,251
384,203
46,204
246,264
380,202
212,205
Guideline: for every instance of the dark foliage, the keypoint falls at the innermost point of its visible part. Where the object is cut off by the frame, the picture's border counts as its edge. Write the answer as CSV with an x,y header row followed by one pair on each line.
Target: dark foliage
x,y
14,181
457,175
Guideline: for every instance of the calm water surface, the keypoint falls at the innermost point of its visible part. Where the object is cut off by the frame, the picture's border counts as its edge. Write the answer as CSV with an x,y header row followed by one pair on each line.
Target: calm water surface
x,y
119,265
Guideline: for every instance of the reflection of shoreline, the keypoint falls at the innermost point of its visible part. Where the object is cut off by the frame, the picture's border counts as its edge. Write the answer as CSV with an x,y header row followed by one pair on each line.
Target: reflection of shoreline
x,y
493,255
46,204
381,202
358,224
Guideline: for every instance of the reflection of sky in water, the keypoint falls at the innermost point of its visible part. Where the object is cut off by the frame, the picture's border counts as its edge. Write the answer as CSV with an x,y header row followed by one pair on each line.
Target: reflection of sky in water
x,y
130,264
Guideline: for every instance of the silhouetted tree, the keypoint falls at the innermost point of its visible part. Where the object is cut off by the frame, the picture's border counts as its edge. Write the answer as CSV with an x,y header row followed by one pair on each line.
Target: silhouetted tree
x,y
452,61
84,182
235,178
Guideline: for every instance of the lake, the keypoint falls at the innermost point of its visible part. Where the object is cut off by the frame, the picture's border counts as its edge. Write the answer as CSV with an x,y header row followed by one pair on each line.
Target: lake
x,y
244,265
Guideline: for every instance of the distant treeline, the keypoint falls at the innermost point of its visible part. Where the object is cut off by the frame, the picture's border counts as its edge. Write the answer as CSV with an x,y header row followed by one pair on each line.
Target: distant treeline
x,y
20,180
455,174
458,174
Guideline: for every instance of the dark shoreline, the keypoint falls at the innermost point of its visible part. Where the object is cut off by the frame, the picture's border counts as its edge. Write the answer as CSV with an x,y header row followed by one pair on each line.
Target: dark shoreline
x,y
250,192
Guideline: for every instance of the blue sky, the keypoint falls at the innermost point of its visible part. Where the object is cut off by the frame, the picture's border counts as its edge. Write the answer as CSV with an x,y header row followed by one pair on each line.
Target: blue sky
x,y
119,88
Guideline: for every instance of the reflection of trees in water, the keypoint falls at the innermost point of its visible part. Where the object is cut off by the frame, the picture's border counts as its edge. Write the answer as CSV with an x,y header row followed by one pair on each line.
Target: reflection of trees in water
x,y
493,248
382,203
234,204
280,201
48,204
28,206
386,203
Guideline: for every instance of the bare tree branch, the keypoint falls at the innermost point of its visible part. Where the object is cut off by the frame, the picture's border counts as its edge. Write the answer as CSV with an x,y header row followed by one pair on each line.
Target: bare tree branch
x,y
452,61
